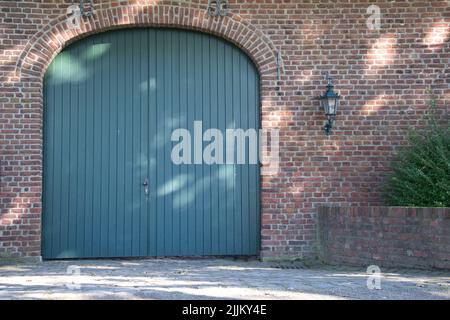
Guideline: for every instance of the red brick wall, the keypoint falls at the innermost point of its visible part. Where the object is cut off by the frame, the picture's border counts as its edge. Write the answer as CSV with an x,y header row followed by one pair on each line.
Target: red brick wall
x,y
381,74
385,236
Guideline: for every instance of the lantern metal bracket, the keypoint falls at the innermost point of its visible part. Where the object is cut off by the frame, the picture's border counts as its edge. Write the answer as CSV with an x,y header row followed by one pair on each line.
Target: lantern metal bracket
x,y
328,128
330,84
218,8
85,13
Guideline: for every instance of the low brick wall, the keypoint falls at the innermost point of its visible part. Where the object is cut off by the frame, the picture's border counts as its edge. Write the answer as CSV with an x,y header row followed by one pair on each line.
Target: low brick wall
x,y
385,236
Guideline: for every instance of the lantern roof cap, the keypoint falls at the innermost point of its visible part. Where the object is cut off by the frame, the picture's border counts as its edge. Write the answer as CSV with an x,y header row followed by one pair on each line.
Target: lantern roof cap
x,y
330,92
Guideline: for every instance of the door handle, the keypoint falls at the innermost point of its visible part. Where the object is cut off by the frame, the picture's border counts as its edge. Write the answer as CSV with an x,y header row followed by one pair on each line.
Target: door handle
x,y
146,187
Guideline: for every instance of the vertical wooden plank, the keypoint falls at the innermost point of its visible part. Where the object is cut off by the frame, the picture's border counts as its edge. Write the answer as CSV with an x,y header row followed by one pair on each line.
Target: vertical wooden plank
x,y
136,160
153,142
208,84
167,121
228,169
198,111
244,169
103,60
160,113
81,154
90,180
49,155
222,99
128,225
56,246
191,100
183,195
66,163
72,154
237,174
97,130
215,98
143,89
114,134
176,178
168,118
121,143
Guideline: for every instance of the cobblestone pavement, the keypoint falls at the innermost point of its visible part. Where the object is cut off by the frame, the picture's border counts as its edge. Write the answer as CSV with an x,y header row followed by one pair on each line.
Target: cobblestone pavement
x,y
210,279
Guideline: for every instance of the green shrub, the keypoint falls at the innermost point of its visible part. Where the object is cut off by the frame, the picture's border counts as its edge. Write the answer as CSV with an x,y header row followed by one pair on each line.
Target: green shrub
x,y
421,172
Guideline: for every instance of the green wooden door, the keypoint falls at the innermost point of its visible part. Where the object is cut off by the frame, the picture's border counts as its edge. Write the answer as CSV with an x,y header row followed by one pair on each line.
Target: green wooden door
x,y
112,101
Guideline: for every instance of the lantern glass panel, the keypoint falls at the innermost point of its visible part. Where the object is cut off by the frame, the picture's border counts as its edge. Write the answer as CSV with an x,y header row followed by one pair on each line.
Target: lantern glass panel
x,y
324,103
331,106
336,106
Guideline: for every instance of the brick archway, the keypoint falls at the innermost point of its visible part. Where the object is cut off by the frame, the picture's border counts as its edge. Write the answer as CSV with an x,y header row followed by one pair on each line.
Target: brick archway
x,y
47,43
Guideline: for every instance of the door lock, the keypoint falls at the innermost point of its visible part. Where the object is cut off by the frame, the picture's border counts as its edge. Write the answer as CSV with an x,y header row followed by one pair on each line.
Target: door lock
x,y
146,187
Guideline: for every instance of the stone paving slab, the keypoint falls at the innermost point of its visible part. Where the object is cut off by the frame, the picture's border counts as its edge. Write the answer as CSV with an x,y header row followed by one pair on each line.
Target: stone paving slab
x,y
210,279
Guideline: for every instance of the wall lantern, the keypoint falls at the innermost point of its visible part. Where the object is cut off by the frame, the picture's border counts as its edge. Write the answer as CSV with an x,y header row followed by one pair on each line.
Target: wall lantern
x,y
330,104
218,8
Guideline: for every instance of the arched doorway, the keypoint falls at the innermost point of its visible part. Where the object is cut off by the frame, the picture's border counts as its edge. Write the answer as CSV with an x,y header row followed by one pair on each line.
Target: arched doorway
x,y
111,103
